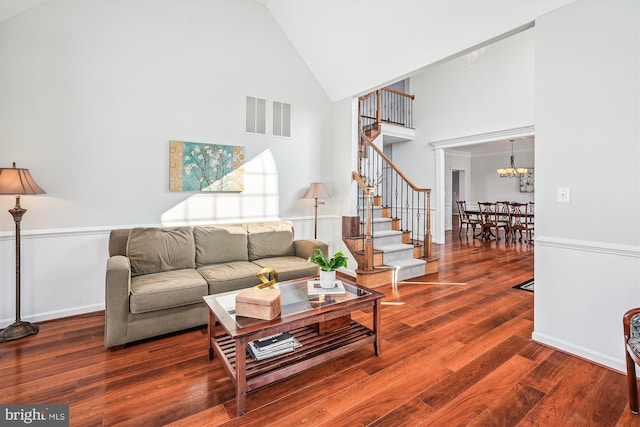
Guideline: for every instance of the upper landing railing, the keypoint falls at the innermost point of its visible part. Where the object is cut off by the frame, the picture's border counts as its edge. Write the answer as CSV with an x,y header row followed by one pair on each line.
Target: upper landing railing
x,y
386,106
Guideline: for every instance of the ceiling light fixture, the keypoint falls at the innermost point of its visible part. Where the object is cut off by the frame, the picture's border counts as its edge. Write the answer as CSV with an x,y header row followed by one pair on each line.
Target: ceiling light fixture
x,y
512,171
471,57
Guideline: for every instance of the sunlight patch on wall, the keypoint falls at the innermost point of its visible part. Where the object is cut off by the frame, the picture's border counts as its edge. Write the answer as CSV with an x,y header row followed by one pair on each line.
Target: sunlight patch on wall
x,y
258,202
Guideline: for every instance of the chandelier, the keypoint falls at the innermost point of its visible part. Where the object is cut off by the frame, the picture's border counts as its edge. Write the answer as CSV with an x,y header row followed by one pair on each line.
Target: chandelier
x,y
512,171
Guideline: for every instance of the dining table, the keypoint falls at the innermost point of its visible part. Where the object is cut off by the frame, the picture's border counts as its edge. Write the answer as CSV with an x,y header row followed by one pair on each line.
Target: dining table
x,y
475,213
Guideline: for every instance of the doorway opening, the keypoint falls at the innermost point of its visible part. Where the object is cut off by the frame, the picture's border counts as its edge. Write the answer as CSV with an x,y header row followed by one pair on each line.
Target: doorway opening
x,y
458,192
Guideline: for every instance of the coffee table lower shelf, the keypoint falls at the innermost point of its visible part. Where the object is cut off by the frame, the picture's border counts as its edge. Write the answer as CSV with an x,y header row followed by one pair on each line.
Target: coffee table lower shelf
x,y
316,349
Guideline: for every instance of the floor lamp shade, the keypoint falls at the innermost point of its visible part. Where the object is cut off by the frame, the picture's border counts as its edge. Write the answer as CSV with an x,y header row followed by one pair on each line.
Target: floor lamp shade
x,y
316,191
17,182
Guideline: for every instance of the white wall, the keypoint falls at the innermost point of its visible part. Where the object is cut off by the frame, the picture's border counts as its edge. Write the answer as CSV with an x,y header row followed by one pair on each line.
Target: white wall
x,y
91,93
587,252
495,92
458,99
487,186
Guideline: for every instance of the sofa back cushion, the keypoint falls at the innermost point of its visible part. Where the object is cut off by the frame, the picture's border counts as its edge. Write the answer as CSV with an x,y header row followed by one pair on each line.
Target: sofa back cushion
x,y
270,239
217,244
152,250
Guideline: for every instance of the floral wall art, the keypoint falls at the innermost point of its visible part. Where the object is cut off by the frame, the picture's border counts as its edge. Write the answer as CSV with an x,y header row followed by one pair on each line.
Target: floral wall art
x,y
205,167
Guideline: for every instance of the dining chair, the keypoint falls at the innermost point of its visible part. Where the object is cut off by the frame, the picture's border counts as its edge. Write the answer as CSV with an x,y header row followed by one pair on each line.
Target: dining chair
x,y
532,219
489,220
520,221
503,217
465,218
631,329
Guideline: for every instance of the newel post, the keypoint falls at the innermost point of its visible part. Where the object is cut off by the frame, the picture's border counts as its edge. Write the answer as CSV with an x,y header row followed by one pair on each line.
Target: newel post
x,y
427,237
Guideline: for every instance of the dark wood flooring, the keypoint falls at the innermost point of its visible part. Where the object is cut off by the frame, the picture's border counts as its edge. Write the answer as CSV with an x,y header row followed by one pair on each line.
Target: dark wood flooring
x,y
452,355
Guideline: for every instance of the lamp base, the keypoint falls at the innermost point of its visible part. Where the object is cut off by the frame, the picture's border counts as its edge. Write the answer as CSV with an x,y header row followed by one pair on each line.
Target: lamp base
x,y
18,330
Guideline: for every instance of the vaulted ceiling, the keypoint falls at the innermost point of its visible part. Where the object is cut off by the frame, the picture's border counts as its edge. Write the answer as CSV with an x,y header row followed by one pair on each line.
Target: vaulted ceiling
x,y
352,46
9,8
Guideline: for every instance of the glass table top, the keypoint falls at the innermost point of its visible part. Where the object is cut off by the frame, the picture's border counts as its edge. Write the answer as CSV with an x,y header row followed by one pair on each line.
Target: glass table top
x,y
296,297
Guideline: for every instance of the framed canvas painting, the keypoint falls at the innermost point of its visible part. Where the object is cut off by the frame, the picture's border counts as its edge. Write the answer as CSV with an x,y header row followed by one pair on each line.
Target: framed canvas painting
x,y
195,166
527,181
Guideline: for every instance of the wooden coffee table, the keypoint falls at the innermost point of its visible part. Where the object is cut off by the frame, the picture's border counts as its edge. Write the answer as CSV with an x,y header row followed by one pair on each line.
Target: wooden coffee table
x,y
322,324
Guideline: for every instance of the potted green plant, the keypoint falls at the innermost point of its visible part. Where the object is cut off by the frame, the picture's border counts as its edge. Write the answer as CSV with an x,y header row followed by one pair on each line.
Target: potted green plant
x,y
328,267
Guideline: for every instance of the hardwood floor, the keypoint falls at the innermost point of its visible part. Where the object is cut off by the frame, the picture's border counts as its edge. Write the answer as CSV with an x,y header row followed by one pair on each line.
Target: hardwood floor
x,y
452,354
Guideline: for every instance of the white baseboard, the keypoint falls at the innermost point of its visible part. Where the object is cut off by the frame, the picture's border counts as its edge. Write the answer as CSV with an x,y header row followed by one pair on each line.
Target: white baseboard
x,y
585,353
55,314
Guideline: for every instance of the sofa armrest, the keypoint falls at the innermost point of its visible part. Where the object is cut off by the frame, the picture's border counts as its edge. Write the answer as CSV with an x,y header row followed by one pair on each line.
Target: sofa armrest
x,y
306,247
117,290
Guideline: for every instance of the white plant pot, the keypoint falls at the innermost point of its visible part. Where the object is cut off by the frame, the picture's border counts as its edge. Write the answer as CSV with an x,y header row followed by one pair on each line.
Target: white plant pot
x,y
327,279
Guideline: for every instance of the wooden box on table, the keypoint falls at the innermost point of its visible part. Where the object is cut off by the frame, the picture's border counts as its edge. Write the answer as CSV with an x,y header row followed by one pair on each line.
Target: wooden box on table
x,y
258,303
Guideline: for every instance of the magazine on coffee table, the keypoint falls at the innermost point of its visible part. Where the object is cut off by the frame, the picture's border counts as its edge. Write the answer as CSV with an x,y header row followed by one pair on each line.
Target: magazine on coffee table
x,y
314,288
284,347
272,341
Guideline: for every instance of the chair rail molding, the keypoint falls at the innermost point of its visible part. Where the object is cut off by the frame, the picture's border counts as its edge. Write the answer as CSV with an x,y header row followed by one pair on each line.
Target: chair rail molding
x,y
587,246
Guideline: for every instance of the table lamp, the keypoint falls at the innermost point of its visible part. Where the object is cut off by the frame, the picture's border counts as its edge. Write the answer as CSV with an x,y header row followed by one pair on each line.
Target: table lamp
x,y
15,181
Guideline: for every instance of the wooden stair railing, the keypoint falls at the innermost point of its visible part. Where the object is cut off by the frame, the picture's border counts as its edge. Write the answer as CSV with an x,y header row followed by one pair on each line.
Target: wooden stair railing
x,y
405,200
379,178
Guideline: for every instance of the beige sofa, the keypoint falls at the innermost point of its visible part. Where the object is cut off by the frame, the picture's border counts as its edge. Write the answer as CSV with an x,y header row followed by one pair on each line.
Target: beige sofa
x,y
156,277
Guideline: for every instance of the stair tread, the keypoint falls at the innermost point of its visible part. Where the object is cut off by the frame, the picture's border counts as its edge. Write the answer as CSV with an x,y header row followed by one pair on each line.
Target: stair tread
x,y
382,219
385,233
406,263
395,248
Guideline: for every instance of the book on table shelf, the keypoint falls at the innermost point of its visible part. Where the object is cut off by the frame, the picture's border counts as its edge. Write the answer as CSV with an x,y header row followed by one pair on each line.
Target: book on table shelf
x,y
273,345
273,340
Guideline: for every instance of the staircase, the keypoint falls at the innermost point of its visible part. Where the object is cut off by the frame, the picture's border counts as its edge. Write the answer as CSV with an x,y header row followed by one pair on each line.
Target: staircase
x,y
390,238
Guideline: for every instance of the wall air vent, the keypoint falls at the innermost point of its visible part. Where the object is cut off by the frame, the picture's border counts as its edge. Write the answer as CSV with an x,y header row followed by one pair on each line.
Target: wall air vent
x,y
256,115
281,119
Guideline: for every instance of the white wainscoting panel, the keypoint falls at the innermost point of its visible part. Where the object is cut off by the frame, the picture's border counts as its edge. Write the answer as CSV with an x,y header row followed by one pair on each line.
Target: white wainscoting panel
x,y
63,274
63,271
581,294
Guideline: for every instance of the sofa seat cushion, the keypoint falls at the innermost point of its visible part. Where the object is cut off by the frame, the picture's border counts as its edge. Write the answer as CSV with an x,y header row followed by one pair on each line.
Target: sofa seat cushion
x,y
230,276
289,267
158,291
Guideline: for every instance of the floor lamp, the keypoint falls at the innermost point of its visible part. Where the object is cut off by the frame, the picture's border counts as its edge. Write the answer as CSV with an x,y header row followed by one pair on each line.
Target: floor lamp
x,y
14,181
316,191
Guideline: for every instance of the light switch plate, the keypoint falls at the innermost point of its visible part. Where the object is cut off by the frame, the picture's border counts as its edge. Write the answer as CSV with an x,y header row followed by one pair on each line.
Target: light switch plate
x,y
563,195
